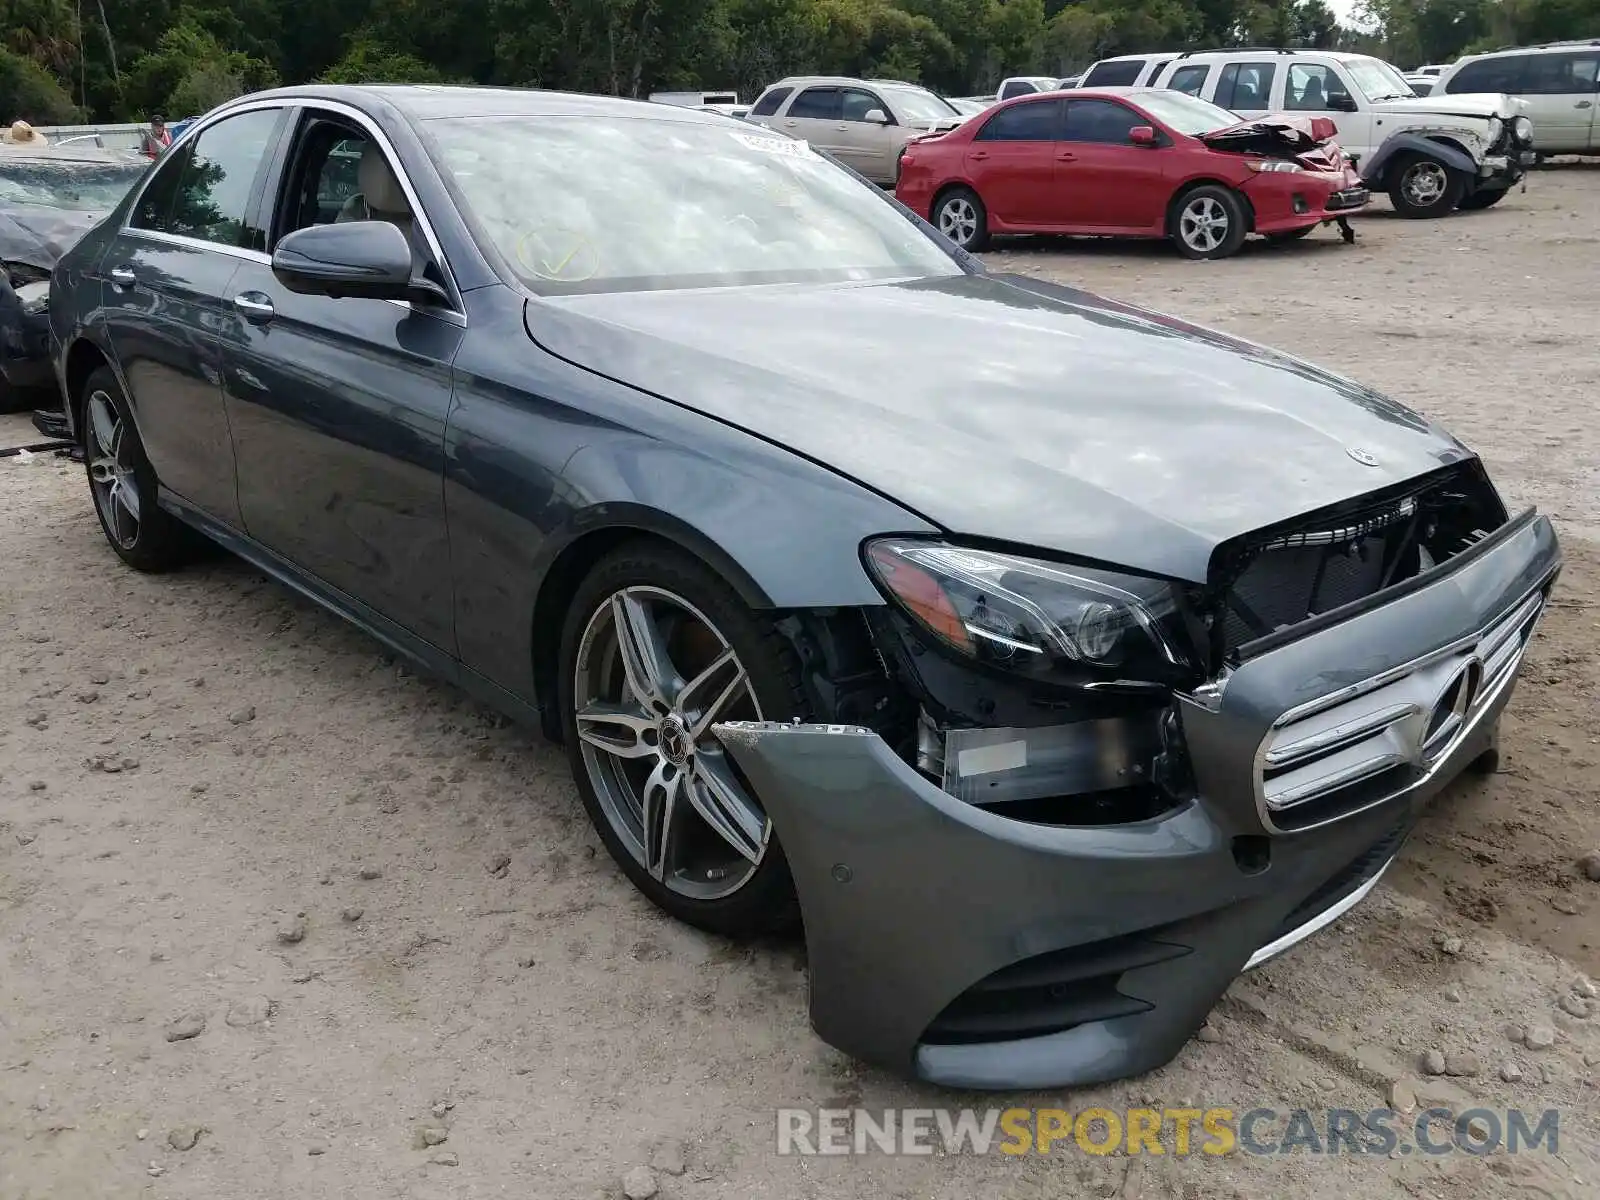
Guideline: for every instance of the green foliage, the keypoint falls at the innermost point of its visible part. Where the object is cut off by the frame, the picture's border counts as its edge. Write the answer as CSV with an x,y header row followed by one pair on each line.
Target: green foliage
x,y
124,59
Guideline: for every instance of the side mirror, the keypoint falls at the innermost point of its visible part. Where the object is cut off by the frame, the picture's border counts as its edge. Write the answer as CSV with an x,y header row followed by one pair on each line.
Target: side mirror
x,y
368,259
1142,135
1342,102
876,116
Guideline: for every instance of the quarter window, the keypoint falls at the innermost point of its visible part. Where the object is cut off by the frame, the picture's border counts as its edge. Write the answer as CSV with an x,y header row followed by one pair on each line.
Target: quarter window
x,y
1507,73
769,101
1119,73
1244,86
1099,121
1035,121
206,193
818,104
1189,80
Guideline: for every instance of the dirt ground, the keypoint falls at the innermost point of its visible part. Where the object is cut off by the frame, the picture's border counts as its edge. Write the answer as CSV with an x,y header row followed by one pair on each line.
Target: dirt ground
x,y
188,762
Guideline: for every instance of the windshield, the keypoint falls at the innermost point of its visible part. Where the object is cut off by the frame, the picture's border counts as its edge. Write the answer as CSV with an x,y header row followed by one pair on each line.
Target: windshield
x,y
1378,80
629,204
64,183
1185,113
915,104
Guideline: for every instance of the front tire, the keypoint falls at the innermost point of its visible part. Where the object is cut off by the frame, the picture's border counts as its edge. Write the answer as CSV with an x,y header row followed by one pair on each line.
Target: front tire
x,y
1208,222
1421,187
962,218
124,485
655,650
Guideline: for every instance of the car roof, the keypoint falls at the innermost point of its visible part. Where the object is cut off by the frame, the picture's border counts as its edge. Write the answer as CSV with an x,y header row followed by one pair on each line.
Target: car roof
x,y
1247,52
431,102
842,80
1541,48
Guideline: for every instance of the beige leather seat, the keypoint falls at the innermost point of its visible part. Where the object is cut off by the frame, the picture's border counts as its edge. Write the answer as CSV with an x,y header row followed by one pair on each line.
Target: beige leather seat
x,y
380,197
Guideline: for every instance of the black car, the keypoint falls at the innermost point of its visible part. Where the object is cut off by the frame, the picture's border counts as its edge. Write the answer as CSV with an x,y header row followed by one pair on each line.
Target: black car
x,y
1051,661
49,197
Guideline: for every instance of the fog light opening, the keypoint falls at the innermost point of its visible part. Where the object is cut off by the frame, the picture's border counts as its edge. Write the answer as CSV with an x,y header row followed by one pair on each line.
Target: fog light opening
x,y
1252,853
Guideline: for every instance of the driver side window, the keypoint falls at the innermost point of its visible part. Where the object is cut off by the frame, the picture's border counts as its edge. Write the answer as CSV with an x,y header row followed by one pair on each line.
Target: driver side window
x,y
857,104
1311,86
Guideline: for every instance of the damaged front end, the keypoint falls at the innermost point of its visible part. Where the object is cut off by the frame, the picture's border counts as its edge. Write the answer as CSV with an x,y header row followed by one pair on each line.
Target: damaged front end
x,y
1064,806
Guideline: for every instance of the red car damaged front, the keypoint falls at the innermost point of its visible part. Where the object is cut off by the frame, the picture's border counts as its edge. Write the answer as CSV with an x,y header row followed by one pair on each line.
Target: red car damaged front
x,y
1298,169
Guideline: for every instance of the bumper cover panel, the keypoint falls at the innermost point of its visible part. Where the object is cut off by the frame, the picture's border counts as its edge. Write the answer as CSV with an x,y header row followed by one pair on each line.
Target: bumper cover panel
x,y
913,899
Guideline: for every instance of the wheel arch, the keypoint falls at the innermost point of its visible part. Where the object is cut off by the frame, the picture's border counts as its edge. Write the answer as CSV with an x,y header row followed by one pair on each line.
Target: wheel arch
x,y
83,358
1199,181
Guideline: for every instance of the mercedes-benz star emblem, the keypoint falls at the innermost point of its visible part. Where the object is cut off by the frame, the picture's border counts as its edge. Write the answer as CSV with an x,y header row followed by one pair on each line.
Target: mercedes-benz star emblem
x,y
1365,458
1449,713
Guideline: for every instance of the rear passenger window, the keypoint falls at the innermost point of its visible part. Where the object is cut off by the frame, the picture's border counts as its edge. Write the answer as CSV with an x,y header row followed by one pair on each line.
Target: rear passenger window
x,y
1188,80
1561,74
1119,73
1507,73
1245,86
770,101
1036,121
818,104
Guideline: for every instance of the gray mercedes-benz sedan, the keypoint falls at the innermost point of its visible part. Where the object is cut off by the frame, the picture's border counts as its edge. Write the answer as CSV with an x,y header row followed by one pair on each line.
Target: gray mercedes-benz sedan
x,y
1049,661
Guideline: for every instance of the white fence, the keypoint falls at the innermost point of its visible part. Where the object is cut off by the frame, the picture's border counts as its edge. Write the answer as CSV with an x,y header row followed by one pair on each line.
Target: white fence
x,y
112,137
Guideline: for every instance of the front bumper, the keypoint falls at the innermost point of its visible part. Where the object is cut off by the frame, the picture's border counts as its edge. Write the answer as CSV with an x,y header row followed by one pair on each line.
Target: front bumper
x,y
968,949
1284,201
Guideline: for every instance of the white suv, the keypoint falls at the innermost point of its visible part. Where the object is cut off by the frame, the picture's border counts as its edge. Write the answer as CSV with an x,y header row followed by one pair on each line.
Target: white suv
x,y
1431,154
1557,82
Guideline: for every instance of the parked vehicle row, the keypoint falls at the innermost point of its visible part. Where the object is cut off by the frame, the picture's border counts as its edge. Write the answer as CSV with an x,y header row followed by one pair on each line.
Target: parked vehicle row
x,y
1558,83
1129,162
842,567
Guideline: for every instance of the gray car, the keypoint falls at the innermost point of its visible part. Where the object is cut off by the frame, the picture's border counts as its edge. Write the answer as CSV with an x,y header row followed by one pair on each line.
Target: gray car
x,y
1047,660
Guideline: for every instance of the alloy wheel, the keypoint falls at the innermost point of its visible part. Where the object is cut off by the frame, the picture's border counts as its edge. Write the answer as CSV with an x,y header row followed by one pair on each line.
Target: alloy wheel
x,y
958,220
116,490
1203,224
1424,183
653,674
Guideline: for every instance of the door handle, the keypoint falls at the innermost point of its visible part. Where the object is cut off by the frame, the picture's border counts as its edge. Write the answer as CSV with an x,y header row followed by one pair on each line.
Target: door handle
x,y
980,155
123,276
1066,156
254,305
1584,104
790,124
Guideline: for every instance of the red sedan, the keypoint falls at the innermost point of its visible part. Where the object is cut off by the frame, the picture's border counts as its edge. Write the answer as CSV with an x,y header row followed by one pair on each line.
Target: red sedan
x,y
1129,162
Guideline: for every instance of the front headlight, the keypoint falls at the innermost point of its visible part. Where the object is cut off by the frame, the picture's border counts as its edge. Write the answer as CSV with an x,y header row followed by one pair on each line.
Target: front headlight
x,y
1273,166
1523,129
1496,127
1050,621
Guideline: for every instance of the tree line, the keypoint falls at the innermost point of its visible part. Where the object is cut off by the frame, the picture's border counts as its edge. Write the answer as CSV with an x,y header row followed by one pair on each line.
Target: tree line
x,y
114,60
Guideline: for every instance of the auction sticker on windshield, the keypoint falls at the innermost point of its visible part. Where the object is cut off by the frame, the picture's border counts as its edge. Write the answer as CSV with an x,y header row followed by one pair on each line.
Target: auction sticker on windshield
x,y
787,147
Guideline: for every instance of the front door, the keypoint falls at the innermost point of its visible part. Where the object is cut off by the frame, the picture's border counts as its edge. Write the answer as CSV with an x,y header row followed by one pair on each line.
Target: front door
x,y
1320,90
1103,179
1011,164
167,276
869,147
339,405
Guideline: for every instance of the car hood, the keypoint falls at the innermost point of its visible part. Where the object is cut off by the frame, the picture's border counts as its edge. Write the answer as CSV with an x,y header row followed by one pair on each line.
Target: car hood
x,y
38,237
1012,409
1482,105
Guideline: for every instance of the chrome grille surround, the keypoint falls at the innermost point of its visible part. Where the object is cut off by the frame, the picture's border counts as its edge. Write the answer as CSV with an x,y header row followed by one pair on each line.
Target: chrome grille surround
x,y
1404,722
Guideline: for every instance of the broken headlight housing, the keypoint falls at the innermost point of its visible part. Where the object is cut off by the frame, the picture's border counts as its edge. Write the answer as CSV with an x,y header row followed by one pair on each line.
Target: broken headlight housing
x,y
1053,622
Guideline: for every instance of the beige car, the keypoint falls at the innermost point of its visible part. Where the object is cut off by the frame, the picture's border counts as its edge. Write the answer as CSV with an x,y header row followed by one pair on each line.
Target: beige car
x,y
863,123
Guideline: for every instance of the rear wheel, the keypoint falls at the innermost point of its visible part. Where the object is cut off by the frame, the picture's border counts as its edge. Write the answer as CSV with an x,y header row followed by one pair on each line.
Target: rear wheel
x,y
1421,187
123,483
962,218
1484,198
1208,222
656,650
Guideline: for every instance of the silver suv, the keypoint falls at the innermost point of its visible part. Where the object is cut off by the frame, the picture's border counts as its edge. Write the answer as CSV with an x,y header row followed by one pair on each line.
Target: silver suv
x,y
1556,81
864,123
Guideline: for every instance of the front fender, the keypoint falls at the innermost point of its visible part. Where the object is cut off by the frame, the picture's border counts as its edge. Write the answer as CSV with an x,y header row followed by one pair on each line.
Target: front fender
x,y
1372,170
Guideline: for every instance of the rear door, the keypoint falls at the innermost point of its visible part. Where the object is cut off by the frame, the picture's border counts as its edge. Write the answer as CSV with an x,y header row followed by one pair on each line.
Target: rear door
x,y
1102,179
1560,91
167,278
816,115
1011,163
338,407
1245,87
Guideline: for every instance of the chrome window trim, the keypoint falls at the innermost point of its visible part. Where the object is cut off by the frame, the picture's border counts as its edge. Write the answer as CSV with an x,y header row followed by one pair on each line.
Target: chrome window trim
x,y
455,313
